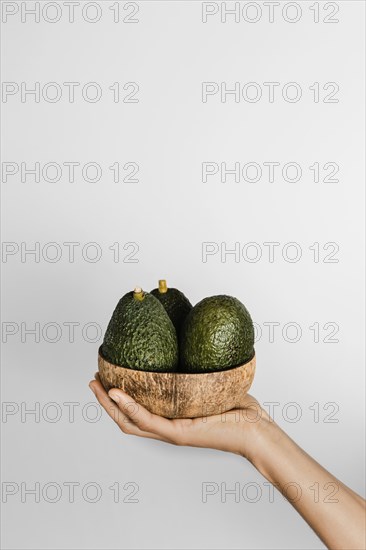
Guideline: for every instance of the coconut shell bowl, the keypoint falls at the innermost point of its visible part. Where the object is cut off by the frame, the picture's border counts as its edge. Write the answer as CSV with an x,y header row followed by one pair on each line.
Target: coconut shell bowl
x,y
179,394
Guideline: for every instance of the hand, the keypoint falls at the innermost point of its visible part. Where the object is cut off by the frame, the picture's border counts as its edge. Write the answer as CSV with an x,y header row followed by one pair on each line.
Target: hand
x,y
234,431
248,431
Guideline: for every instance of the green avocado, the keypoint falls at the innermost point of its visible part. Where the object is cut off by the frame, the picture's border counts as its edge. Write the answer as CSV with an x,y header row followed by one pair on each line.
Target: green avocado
x,y
175,303
217,334
140,335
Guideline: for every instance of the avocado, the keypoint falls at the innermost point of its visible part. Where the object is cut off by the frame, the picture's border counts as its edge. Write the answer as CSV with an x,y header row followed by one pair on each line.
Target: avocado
x,y
175,303
217,334
140,335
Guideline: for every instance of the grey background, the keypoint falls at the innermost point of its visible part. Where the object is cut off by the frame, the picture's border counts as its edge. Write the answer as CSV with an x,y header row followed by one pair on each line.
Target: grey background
x,y
169,213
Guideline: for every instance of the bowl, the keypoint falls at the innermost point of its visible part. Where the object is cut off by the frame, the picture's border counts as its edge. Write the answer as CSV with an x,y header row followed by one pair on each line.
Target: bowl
x,y
178,394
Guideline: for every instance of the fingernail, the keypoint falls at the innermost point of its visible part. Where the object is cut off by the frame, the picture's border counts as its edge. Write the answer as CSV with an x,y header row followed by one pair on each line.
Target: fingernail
x,y
114,396
91,386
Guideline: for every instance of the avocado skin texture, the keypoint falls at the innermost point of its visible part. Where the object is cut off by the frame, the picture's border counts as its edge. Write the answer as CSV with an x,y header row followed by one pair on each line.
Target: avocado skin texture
x,y
175,304
141,336
217,334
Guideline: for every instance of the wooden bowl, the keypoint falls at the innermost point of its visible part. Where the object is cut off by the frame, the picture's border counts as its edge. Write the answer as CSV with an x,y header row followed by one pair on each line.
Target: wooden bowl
x,y
181,395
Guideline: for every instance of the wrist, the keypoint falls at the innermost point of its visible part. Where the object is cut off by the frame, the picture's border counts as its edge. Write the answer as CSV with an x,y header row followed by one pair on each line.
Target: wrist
x,y
260,438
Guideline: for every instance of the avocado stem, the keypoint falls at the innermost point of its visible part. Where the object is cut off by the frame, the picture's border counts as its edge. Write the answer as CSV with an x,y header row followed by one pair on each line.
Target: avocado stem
x,y
162,286
138,293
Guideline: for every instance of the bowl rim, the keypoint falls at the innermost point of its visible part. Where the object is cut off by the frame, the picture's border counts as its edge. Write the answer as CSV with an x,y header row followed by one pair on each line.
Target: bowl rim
x,y
178,373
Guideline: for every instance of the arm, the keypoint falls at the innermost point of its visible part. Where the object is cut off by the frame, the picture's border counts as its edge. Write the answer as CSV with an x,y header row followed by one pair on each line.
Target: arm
x,y
339,520
333,511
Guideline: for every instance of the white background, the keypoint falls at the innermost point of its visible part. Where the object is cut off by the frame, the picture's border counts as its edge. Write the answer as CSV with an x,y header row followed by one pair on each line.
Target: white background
x,y
169,213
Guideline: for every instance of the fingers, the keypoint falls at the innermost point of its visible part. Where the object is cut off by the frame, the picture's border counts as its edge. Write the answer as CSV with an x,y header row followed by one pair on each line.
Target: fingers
x,y
123,420
247,400
254,410
142,418
107,403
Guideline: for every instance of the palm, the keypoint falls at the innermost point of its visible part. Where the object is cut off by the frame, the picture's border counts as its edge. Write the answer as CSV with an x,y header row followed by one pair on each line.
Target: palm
x,y
219,431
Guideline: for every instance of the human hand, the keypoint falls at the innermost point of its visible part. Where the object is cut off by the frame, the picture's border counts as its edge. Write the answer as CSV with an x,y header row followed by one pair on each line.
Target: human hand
x,y
248,431
235,431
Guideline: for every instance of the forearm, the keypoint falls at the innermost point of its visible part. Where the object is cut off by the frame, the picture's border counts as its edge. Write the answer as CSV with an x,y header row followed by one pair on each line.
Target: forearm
x,y
334,511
